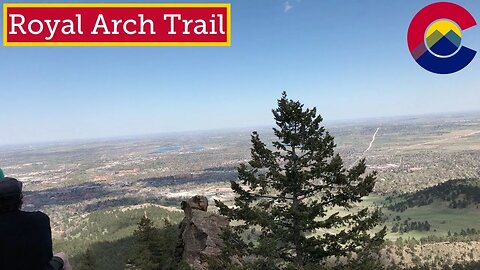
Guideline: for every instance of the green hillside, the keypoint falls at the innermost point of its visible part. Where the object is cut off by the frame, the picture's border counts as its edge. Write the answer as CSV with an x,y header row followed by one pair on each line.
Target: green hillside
x,y
108,233
450,209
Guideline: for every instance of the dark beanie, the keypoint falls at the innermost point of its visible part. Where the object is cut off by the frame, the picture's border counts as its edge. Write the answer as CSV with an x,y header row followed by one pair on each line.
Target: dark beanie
x,y
10,187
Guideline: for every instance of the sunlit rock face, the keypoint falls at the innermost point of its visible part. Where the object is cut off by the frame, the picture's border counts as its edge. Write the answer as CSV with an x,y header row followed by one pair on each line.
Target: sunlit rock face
x,y
200,236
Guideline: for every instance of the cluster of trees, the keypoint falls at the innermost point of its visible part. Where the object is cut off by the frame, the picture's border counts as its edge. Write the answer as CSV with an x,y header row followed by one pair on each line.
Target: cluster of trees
x,y
108,234
408,226
459,193
149,248
154,248
463,203
465,235
455,266
464,232
466,266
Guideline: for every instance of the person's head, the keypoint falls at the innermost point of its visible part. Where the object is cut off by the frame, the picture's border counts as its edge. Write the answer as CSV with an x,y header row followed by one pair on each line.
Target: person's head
x,y
10,195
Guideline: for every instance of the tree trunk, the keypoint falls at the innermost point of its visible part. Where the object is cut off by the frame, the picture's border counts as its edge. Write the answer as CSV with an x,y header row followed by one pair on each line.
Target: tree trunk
x,y
296,233
296,230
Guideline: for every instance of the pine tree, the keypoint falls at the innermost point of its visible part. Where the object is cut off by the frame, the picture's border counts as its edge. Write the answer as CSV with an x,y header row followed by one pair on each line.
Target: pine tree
x,y
88,261
147,250
290,191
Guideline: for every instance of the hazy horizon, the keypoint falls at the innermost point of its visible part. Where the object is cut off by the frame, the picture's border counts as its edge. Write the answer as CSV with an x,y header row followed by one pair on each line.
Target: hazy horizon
x,y
349,61
326,122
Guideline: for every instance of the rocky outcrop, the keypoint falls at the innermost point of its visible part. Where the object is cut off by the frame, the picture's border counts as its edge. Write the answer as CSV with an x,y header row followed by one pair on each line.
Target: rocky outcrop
x,y
200,233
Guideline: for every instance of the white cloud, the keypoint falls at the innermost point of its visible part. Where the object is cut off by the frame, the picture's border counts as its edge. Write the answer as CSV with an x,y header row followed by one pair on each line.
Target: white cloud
x,y
290,4
287,6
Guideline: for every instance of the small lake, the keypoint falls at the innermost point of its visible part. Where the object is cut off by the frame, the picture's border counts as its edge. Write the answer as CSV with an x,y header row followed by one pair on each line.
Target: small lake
x,y
175,148
166,149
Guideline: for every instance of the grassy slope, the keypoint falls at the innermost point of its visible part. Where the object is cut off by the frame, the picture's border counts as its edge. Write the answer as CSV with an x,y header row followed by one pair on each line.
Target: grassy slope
x,y
441,218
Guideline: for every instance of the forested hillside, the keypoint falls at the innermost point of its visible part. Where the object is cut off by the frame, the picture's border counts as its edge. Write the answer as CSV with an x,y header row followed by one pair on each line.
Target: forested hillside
x,y
108,234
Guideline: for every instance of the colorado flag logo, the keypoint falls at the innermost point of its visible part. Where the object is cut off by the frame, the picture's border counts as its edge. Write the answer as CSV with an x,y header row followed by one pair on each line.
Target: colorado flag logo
x,y
435,38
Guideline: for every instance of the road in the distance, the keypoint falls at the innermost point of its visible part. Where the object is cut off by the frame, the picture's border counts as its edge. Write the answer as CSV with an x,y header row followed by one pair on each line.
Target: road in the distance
x,y
373,140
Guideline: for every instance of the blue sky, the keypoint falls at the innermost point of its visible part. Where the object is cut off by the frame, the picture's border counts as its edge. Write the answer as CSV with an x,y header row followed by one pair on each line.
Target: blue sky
x,y
348,58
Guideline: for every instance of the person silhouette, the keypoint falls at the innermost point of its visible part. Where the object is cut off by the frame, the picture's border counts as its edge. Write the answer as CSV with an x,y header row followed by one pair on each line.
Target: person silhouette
x,y
26,237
